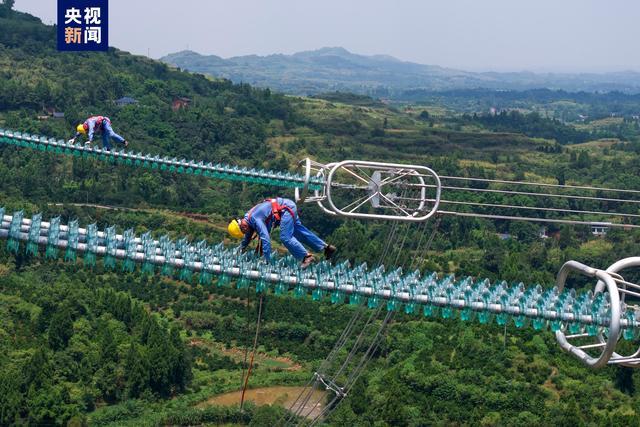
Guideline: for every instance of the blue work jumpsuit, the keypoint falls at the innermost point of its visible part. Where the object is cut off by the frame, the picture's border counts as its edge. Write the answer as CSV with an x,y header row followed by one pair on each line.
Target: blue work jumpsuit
x,y
292,232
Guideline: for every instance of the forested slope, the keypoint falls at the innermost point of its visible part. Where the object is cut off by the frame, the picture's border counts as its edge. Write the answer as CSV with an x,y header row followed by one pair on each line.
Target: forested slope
x,y
85,344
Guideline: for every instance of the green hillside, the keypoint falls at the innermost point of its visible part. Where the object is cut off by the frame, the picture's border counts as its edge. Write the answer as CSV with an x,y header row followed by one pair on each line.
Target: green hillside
x,y
85,345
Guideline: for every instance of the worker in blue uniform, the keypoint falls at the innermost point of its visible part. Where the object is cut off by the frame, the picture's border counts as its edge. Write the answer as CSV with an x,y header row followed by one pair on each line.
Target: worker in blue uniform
x,y
279,212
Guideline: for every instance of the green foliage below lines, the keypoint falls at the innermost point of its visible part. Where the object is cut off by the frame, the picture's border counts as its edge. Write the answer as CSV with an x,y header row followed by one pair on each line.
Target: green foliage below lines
x,y
128,349
70,344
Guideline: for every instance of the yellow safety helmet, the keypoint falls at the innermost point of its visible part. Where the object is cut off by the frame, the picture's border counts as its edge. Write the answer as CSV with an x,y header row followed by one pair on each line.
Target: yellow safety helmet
x,y
234,229
80,128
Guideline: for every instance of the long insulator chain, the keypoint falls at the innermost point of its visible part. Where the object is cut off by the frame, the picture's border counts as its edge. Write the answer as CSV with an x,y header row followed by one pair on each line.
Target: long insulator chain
x,y
190,167
446,296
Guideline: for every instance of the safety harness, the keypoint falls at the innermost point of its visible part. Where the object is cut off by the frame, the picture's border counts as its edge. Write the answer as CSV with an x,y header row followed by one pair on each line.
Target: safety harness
x,y
276,214
99,122
276,211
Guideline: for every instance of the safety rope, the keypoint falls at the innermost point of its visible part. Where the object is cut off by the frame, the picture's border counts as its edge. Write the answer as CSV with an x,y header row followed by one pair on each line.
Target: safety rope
x,y
253,352
246,341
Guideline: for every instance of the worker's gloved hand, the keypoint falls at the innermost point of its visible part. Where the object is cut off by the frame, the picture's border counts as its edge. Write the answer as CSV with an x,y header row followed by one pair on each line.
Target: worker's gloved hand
x,y
243,249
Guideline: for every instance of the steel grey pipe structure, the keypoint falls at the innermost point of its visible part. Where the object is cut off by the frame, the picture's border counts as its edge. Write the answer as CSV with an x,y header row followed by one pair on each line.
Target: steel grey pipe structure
x,y
606,315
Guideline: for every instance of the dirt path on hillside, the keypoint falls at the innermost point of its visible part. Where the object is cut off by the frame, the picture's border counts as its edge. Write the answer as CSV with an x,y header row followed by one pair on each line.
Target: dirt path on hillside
x,y
278,395
237,354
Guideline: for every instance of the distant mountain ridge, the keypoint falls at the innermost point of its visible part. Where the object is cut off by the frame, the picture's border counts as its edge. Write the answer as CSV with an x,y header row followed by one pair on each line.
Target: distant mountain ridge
x,y
335,68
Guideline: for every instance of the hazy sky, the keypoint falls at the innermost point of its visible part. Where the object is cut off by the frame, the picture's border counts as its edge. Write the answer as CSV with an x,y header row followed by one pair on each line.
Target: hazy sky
x,y
501,35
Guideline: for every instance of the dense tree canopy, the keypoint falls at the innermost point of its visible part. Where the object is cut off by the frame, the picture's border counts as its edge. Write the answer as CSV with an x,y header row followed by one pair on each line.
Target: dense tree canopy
x,y
80,343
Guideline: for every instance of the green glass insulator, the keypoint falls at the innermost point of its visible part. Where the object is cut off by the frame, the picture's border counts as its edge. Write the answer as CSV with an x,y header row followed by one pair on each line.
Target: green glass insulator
x,y
484,317
13,245
185,275
317,294
446,313
391,305
89,259
337,297
373,302
148,268
180,169
223,280
163,167
109,262
410,308
502,318
575,328
281,288
189,171
466,314
556,325
167,270
51,252
172,168
32,249
243,282
205,278
261,286
70,255
355,299
520,321
146,164
129,265
628,333
428,310
299,291
539,324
